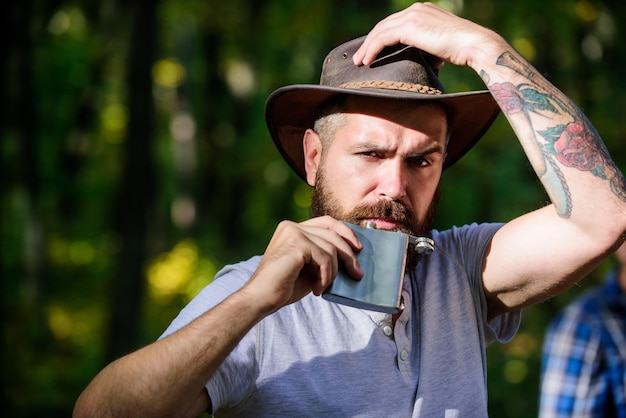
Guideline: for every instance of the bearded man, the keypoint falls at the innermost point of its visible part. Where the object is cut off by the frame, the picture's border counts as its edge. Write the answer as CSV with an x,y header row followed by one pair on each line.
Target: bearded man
x,y
373,139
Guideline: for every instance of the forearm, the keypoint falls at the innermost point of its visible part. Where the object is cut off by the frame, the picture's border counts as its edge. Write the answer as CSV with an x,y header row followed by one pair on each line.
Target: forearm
x,y
167,377
562,146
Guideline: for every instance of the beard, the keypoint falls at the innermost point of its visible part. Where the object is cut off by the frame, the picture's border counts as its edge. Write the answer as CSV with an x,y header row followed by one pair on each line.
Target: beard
x,y
323,202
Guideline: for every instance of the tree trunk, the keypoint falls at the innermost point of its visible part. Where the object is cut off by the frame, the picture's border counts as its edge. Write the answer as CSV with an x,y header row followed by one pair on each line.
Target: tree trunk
x,y
135,202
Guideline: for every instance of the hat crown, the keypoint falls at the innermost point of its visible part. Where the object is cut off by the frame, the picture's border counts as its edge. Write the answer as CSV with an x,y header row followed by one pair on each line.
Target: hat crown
x,y
395,64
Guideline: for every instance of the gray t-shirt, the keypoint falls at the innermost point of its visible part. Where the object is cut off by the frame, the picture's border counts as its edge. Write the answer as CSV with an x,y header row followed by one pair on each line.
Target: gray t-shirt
x,y
317,358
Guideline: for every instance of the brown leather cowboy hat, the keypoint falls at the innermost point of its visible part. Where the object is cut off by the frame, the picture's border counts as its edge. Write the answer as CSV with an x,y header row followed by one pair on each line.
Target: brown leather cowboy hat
x,y
399,72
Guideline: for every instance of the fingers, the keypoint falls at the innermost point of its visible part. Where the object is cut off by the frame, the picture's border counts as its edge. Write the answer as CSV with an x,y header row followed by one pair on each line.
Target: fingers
x,y
424,26
326,223
329,250
337,240
305,257
395,28
377,39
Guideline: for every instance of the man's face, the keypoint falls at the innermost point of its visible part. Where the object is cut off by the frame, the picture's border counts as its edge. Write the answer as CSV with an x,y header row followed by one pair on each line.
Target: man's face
x,y
383,165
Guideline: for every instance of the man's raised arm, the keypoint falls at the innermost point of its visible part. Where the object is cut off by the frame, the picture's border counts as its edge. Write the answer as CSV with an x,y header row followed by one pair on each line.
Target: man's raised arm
x,y
544,252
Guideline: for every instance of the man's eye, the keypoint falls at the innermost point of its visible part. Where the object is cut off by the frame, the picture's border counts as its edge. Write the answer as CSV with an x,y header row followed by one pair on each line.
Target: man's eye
x,y
419,161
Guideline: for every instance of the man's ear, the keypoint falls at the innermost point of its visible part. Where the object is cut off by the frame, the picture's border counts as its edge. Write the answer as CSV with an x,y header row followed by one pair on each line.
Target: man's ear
x,y
312,146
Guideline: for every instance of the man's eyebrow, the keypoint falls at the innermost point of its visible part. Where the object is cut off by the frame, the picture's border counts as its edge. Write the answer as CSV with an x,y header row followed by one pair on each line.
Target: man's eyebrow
x,y
435,148
374,146
369,146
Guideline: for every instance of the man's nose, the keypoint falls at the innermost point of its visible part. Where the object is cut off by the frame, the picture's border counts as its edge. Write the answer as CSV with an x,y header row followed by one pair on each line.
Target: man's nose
x,y
392,180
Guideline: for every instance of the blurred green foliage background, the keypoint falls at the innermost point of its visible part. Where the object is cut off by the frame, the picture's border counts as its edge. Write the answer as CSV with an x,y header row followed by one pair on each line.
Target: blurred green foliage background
x,y
135,162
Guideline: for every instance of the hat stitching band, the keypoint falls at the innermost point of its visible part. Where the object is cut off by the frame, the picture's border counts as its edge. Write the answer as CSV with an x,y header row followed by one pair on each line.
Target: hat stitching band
x,y
392,85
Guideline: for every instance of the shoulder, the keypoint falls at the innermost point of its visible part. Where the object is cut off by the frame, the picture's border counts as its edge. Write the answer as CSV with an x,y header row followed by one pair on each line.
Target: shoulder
x,y
227,281
239,272
470,232
465,241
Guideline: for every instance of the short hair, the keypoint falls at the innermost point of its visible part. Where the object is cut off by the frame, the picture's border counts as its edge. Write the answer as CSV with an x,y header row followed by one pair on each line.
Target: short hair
x,y
329,118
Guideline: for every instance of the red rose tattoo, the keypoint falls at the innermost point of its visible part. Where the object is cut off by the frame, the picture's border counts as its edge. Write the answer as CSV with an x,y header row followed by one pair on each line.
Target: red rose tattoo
x,y
577,148
509,97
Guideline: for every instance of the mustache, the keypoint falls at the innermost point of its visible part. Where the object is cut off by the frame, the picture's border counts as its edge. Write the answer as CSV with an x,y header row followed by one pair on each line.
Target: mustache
x,y
389,210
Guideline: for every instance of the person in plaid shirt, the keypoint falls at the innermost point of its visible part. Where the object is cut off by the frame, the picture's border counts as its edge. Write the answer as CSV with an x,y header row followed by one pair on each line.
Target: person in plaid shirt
x,y
584,356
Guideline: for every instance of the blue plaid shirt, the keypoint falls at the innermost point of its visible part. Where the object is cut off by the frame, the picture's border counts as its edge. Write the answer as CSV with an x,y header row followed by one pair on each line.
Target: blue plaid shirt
x,y
584,357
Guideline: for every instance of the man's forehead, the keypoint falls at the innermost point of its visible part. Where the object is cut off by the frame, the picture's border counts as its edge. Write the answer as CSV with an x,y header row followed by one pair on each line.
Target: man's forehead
x,y
353,103
429,116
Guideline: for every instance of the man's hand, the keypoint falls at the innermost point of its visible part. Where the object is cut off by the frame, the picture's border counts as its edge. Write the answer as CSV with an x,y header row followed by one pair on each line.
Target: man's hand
x,y
434,30
301,258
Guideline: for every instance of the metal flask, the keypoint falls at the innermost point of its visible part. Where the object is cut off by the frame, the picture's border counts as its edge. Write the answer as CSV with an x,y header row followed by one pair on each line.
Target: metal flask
x,y
383,260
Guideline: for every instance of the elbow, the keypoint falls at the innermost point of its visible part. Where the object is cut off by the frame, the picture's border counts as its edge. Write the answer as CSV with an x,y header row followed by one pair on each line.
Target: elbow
x,y
85,407
606,237
92,403
615,238
620,248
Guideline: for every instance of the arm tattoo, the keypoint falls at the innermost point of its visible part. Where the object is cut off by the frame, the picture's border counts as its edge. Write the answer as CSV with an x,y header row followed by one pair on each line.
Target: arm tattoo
x,y
575,144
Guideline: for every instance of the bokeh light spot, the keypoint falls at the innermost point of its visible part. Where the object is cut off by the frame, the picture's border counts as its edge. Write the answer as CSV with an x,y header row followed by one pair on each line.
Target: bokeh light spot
x,y
168,73
114,120
302,195
525,47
